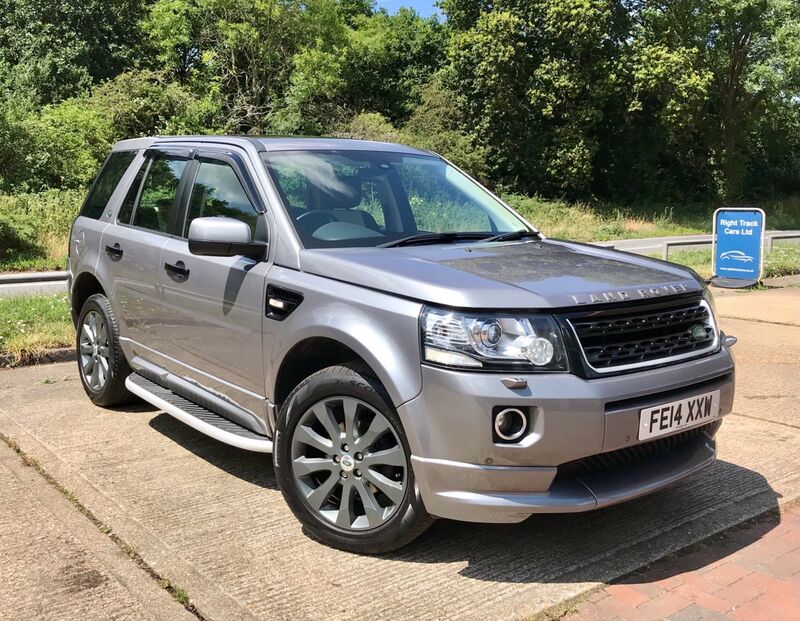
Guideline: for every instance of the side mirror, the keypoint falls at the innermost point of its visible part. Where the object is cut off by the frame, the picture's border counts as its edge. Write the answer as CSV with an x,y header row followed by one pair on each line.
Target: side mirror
x,y
219,236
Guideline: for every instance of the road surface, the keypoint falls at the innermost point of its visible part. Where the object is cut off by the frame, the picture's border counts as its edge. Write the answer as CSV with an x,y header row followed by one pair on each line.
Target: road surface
x,y
654,245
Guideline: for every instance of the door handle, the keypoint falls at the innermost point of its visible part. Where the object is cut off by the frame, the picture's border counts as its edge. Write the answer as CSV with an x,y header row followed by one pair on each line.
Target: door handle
x,y
115,252
179,270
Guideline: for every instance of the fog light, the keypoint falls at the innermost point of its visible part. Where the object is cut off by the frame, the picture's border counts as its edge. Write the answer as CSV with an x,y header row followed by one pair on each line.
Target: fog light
x,y
510,424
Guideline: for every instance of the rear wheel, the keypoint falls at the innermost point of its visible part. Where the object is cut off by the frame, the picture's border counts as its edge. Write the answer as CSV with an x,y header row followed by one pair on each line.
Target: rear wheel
x,y
101,363
343,464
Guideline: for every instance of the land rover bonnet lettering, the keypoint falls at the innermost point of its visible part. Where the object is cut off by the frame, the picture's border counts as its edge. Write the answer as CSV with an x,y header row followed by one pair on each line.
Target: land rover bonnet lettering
x,y
629,294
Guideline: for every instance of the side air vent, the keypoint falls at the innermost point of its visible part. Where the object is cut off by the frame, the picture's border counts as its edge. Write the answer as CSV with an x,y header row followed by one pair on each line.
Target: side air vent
x,y
281,302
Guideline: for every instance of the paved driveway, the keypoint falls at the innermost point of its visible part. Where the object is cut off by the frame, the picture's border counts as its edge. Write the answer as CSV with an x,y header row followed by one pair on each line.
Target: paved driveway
x,y
210,518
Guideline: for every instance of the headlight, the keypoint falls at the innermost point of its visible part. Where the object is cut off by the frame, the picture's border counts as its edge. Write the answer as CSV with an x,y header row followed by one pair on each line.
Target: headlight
x,y
496,341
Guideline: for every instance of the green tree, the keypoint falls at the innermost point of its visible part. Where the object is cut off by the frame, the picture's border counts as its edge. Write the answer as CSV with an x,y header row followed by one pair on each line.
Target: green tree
x,y
312,104
625,100
178,34
389,58
246,48
63,144
146,102
67,142
436,125
720,77
15,105
57,49
350,9
534,80
433,126
379,63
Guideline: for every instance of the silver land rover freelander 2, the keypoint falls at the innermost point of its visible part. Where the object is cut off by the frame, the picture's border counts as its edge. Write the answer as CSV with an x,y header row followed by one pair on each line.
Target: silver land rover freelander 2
x,y
403,343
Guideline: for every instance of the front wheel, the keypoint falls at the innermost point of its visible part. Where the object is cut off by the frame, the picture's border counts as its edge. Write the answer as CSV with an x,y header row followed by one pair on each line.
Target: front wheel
x,y
342,462
101,363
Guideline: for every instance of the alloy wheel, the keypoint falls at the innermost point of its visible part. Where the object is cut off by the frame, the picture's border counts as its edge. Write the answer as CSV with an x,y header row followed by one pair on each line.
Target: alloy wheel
x,y
94,351
349,463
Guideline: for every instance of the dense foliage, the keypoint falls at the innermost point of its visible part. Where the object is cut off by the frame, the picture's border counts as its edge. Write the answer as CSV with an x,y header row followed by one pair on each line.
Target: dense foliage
x,y
621,100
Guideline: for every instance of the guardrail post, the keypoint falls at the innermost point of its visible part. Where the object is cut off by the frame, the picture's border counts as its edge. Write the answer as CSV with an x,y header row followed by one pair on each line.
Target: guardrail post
x,y
665,251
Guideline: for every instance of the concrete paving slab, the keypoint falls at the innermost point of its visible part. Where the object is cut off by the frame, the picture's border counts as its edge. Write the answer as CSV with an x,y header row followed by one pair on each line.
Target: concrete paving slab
x,y
211,518
791,280
768,377
57,565
780,306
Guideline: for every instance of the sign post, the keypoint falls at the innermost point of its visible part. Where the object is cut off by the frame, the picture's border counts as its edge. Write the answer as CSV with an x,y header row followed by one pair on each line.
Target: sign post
x,y
737,258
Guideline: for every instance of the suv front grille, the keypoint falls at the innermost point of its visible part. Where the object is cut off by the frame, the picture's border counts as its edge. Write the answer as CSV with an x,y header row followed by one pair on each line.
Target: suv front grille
x,y
613,340
632,455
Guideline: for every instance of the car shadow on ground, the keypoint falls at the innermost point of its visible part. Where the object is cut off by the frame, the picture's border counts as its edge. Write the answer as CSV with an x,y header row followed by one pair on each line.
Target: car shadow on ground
x,y
255,468
601,545
597,546
132,408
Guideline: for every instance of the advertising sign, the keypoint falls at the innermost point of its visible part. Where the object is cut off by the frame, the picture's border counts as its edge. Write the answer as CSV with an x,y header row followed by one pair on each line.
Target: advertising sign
x,y
738,245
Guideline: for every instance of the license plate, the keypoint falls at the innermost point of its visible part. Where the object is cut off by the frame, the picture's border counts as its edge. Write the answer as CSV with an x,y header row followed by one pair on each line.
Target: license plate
x,y
669,417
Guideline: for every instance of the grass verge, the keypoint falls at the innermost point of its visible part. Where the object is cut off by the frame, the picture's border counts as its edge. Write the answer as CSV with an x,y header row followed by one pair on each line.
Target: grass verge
x,y
603,221
782,261
29,325
23,263
34,229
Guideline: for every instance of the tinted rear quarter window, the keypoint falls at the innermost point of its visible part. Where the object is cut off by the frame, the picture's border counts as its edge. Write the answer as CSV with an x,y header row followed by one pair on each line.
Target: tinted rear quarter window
x,y
107,180
126,211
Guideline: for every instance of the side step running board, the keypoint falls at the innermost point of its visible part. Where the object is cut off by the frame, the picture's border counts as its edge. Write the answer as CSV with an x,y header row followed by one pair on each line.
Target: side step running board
x,y
197,417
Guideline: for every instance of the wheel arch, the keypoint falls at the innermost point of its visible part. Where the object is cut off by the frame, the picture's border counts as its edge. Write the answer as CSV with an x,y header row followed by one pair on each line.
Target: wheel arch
x,y
308,356
313,353
85,285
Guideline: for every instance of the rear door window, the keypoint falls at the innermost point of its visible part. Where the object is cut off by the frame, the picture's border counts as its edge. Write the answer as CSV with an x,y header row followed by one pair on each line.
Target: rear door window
x,y
159,193
107,180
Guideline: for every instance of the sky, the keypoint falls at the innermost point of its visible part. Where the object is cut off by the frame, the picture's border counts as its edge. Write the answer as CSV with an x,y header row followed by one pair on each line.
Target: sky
x,y
423,7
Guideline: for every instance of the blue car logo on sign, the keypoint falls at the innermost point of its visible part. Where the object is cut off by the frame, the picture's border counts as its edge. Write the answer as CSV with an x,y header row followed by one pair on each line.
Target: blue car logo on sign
x,y
736,255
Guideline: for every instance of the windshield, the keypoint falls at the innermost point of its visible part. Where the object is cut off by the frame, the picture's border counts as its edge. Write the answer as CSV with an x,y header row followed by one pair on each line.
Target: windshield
x,y
369,198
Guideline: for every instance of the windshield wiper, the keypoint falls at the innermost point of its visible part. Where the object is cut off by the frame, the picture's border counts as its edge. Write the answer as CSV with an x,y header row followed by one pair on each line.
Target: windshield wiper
x,y
433,238
512,235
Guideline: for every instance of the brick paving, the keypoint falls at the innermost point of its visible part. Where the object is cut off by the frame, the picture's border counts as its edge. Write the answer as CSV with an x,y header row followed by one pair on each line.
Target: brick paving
x,y
749,573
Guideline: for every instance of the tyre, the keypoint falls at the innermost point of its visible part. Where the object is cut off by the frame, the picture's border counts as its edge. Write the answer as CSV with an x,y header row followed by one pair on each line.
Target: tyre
x,y
343,463
101,364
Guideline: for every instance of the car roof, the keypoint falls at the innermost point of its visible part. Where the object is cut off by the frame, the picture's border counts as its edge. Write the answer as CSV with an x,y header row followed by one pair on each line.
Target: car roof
x,y
273,143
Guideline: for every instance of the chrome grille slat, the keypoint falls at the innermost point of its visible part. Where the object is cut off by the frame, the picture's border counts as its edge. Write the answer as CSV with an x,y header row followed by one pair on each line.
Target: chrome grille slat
x,y
612,339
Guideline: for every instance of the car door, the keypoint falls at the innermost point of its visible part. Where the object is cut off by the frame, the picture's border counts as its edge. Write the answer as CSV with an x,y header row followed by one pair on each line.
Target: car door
x,y
214,306
131,248
105,194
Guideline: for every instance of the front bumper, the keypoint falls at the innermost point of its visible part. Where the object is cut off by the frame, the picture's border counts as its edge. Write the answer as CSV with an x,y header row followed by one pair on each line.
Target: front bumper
x,y
462,474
